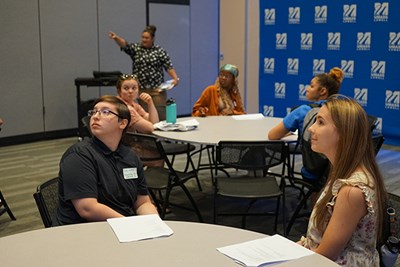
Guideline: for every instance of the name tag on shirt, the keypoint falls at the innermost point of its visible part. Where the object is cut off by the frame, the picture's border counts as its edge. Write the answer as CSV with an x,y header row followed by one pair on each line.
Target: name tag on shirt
x,y
130,173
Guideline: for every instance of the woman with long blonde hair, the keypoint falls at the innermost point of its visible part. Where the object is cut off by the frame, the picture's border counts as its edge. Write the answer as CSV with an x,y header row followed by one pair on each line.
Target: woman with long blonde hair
x,y
347,219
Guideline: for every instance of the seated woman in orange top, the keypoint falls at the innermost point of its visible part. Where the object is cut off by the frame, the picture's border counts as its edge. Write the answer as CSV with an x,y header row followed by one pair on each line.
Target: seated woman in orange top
x,y
222,98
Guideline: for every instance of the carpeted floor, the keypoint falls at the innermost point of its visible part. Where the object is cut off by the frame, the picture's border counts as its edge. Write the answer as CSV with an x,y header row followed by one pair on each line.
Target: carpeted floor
x,y
23,167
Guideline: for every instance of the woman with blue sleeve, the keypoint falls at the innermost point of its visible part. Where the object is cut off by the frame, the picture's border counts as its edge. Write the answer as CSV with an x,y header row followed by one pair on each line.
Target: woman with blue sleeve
x,y
321,87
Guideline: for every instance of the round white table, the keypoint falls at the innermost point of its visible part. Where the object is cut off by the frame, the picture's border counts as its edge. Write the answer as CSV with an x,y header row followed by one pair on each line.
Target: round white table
x,y
213,129
95,244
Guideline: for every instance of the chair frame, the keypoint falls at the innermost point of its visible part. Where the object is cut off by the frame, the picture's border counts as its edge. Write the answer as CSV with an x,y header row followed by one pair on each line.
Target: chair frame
x,y
5,208
377,141
173,178
41,202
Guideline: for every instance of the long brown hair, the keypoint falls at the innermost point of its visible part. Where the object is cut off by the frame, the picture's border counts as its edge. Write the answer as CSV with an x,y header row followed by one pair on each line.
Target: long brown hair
x,y
354,150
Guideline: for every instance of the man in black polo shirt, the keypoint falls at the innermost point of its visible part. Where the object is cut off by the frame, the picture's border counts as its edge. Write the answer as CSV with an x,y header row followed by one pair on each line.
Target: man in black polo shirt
x,y
101,178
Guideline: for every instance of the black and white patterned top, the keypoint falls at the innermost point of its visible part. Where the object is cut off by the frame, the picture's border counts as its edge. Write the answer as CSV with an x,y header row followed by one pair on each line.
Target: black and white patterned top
x,y
148,64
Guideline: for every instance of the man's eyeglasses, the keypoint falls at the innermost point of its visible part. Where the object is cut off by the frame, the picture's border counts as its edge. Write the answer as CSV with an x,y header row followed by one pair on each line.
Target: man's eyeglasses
x,y
128,76
102,112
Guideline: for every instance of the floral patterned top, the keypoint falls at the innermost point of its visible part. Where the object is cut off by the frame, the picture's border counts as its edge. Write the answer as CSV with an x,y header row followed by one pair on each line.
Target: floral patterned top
x,y
148,64
361,248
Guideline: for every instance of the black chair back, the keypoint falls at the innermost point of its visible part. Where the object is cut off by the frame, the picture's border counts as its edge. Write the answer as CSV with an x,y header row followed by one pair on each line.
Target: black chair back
x,y
86,122
377,141
251,155
46,198
145,146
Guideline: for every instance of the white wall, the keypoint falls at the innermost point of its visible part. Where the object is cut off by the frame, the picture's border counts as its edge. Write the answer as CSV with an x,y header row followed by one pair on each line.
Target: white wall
x,y
239,45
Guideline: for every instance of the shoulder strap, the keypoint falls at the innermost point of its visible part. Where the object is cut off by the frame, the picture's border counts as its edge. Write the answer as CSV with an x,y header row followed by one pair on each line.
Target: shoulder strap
x,y
309,119
315,105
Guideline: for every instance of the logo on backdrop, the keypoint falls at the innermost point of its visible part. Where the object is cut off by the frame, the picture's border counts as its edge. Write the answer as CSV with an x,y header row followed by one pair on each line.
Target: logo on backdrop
x,y
394,41
381,12
333,40
294,15
269,16
293,66
361,96
379,126
281,40
320,14
288,110
348,68
306,40
302,91
268,111
280,90
350,13
378,69
318,66
363,41
269,65
392,100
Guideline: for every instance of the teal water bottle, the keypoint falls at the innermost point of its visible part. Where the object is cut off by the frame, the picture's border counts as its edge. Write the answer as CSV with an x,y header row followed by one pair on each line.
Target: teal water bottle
x,y
171,110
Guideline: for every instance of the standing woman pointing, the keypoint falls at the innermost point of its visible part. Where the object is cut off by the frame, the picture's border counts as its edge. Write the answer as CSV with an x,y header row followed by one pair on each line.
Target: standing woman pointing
x,y
148,63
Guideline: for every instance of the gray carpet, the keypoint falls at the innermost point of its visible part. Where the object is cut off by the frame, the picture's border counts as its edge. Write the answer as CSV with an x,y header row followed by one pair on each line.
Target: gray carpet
x,y
23,167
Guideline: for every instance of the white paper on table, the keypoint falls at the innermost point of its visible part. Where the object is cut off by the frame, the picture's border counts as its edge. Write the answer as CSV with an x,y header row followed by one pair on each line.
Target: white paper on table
x,y
191,122
257,116
140,227
265,251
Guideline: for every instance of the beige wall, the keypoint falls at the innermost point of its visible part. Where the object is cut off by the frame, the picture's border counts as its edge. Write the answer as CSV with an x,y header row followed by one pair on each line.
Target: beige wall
x,y
239,45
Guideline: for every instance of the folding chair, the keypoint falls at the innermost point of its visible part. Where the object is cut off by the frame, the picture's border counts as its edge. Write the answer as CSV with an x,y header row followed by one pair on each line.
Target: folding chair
x,y
255,157
46,198
5,208
174,149
377,141
160,179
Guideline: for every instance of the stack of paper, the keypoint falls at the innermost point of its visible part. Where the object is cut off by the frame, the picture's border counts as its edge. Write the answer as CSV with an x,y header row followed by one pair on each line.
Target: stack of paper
x,y
181,126
141,227
265,251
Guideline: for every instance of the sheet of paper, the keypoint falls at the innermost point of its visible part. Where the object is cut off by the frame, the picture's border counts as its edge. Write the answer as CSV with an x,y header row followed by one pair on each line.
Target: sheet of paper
x,y
264,251
168,85
257,116
141,227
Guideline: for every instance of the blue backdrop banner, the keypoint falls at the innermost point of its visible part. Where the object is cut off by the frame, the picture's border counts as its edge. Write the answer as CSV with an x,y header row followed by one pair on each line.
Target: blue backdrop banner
x,y
299,39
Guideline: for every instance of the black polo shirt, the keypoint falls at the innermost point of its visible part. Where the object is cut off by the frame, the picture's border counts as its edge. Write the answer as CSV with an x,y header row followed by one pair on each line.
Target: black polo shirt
x,y
89,169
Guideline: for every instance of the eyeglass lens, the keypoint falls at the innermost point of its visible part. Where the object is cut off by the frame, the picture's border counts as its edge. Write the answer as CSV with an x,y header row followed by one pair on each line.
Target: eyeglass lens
x,y
102,112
